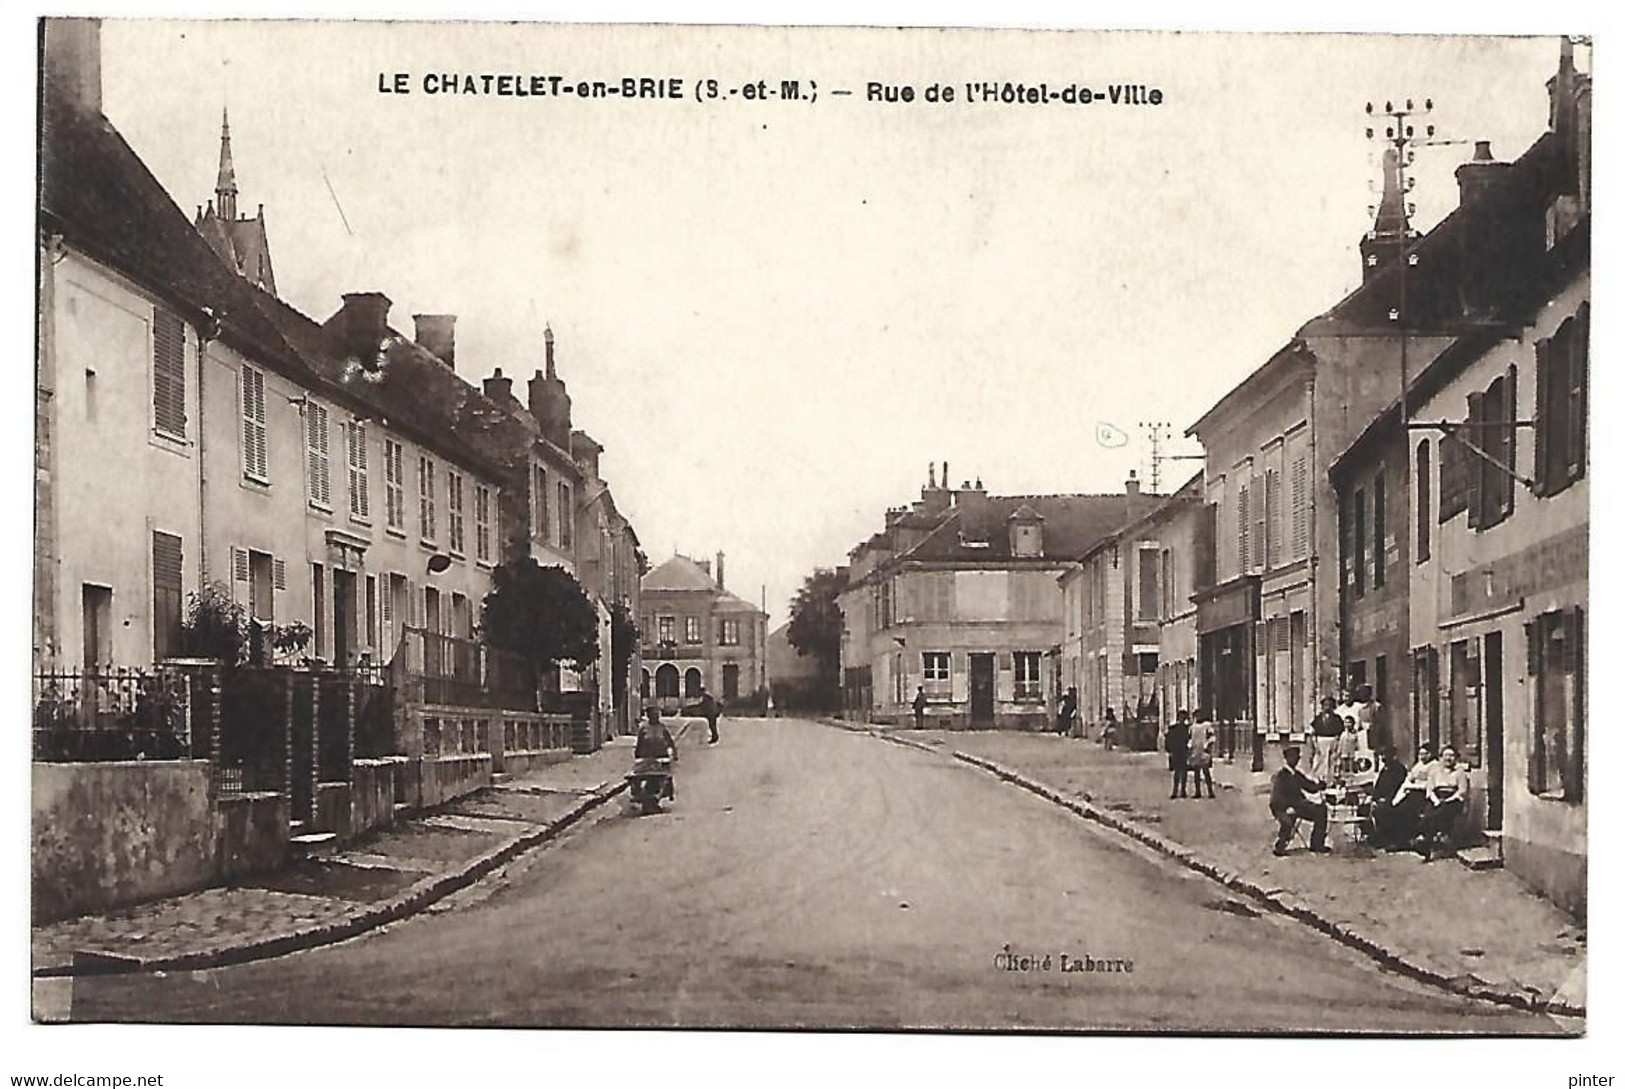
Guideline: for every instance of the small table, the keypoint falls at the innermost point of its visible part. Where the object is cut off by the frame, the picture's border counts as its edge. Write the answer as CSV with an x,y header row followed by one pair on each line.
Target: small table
x,y
1347,808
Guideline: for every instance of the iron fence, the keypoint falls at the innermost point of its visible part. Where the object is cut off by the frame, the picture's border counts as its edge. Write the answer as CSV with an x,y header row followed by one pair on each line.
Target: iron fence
x,y
446,670
112,714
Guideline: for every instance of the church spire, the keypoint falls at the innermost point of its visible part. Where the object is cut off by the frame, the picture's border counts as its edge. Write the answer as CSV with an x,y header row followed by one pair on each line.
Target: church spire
x,y
225,186
1392,230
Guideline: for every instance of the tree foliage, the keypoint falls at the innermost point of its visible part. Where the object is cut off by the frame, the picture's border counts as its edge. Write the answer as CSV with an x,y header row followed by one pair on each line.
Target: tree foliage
x,y
215,626
623,643
542,614
815,622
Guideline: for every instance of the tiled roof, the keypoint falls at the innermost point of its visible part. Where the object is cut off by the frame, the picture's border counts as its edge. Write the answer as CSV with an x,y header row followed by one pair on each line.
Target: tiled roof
x,y
976,530
678,573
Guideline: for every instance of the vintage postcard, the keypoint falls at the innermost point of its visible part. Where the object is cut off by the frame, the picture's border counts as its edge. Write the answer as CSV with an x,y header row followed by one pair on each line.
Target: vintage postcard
x,y
583,526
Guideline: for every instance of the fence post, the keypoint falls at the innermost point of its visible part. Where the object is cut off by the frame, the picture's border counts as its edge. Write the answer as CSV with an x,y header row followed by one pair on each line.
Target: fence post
x,y
212,680
352,691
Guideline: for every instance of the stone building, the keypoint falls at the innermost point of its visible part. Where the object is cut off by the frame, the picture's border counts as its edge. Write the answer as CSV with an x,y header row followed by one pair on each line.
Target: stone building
x,y
959,595
698,635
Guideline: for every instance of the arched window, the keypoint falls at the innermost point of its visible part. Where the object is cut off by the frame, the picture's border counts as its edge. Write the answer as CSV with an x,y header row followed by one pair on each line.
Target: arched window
x,y
692,684
666,682
643,689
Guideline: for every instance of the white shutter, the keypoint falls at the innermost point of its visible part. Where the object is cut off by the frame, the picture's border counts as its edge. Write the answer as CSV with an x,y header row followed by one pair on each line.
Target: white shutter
x,y
317,440
960,683
279,575
239,575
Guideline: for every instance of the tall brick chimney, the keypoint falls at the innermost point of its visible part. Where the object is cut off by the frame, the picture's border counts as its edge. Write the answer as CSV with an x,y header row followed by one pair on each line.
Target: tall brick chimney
x,y
549,400
437,333
1131,486
1480,175
498,387
73,59
720,582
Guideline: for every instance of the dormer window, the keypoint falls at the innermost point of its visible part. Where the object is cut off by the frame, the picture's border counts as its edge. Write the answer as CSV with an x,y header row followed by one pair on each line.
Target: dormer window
x,y
1026,533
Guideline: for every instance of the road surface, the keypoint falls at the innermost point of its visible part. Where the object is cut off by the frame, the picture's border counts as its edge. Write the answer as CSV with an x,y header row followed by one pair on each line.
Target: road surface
x,y
808,876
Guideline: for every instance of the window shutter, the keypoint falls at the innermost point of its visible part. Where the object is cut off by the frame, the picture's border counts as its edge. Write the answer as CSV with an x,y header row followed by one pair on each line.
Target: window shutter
x,y
1574,664
1474,463
168,373
279,575
1579,360
1244,529
1300,507
1543,410
239,564
1509,443
1534,774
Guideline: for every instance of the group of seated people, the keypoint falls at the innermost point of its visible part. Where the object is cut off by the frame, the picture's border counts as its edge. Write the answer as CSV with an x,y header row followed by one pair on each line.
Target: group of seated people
x,y
1407,807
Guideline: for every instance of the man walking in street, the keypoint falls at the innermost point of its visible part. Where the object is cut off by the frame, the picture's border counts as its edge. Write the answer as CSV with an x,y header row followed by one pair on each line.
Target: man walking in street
x,y
1290,803
1068,711
1177,742
919,707
711,710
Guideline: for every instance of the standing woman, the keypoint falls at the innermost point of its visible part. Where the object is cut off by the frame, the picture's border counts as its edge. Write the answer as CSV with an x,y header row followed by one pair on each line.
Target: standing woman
x,y
1178,743
1200,756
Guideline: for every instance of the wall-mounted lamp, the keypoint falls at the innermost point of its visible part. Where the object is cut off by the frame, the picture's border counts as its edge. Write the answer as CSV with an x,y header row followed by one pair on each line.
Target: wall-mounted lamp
x,y
438,563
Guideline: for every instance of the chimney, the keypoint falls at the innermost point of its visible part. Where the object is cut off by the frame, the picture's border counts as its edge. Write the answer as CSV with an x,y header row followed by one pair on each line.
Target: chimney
x,y
360,326
498,387
73,59
549,400
1479,176
1131,486
437,333
720,583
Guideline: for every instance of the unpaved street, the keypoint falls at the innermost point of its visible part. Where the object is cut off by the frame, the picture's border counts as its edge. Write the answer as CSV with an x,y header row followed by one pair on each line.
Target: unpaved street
x,y
810,876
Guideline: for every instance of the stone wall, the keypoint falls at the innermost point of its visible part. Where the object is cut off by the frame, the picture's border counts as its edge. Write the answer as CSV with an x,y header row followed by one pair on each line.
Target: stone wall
x,y
118,832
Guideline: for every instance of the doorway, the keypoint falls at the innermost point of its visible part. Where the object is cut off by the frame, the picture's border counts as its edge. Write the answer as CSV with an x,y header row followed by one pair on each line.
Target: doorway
x,y
344,616
98,623
1494,756
981,689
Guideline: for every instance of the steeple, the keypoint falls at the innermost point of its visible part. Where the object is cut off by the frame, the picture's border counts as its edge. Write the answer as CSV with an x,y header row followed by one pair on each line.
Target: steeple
x,y
1392,230
225,186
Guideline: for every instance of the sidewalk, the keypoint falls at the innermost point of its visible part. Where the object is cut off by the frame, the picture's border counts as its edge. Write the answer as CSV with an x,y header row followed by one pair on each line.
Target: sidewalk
x,y
385,876
1474,929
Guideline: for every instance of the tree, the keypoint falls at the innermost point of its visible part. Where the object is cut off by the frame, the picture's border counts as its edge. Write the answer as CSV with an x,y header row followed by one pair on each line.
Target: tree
x,y
542,614
815,624
623,642
218,627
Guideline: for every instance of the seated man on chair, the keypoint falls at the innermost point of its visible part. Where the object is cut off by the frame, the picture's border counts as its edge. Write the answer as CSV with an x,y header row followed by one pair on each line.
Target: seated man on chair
x,y
1446,801
1290,802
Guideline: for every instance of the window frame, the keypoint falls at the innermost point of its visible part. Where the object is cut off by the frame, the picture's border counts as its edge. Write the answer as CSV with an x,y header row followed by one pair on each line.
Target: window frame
x,y
936,674
455,527
426,512
1027,689
255,440
394,485
355,443
168,375
318,455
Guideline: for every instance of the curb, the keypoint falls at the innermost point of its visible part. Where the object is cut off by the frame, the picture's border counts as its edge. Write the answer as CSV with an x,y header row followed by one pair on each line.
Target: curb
x,y
414,899
1275,899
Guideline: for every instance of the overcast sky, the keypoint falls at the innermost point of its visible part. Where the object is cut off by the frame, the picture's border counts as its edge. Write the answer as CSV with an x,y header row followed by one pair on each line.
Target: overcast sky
x,y
774,315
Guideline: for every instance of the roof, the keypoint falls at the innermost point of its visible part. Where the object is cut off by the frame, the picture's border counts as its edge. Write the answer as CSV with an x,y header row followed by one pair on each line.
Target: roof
x,y
1561,266
683,575
974,530
679,573
1187,494
1293,353
97,194
242,244
100,197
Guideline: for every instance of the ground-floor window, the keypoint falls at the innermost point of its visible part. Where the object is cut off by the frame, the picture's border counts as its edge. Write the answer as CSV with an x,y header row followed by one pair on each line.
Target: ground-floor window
x,y
1557,675
666,682
1028,684
692,683
938,679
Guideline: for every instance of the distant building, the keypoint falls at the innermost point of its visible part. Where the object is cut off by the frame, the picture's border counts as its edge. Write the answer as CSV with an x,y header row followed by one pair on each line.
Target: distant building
x,y
696,634
958,595
1130,640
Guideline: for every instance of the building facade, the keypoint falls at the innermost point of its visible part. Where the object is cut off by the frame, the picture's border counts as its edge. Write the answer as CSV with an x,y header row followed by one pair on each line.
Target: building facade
x,y
698,636
959,596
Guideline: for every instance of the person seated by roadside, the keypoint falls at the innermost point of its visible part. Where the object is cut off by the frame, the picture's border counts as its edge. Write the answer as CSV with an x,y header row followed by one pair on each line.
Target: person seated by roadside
x,y
1290,802
1403,814
1446,796
654,742
1380,823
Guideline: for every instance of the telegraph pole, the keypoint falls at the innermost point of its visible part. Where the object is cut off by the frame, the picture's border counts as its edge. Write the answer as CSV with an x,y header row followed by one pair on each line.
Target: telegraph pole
x,y
1399,136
